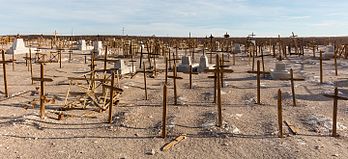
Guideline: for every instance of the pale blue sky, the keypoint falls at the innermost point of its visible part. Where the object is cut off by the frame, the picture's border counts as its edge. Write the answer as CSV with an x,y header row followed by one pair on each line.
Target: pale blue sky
x,y
176,17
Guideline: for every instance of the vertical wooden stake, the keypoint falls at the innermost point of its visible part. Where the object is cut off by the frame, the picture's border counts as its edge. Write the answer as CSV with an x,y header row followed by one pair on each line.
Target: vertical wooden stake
x,y
13,64
31,66
164,116
144,69
166,74
321,66
292,87
335,61
60,59
280,115
175,92
190,76
111,96
42,93
4,70
258,82
253,65
218,90
334,117
313,50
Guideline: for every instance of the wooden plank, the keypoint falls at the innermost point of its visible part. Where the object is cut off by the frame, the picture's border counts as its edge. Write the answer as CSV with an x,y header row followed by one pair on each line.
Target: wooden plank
x,y
42,79
171,144
292,127
83,79
174,77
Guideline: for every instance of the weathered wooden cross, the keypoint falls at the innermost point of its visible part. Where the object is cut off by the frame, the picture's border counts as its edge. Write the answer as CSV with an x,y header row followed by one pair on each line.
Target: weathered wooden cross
x,y
336,97
42,79
4,61
217,83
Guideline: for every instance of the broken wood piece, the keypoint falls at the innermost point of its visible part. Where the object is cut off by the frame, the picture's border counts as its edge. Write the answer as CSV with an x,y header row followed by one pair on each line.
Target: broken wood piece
x,y
171,144
292,127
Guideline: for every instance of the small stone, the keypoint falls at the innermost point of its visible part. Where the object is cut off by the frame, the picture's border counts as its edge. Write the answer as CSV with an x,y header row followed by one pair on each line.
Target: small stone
x,y
151,152
317,147
336,155
225,144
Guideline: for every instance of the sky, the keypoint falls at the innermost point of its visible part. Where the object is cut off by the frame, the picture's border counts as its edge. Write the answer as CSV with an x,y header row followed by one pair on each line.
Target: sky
x,y
266,18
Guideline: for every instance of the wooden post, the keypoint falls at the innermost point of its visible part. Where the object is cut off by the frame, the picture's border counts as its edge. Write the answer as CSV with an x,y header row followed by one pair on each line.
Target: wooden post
x,y
334,117
253,65
313,50
4,70
321,66
190,76
166,74
144,69
31,66
164,116
111,96
175,92
13,59
335,61
292,87
280,115
42,93
258,82
218,90
60,58
106,58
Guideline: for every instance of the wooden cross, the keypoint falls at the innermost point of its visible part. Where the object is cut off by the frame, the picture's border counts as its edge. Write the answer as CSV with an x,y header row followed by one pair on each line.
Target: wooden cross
x,y
217,82
42,95
4,61
336,97
175,77
112,89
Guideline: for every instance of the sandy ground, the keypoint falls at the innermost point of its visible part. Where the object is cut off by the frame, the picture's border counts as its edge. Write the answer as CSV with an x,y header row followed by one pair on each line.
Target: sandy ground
x,y
249,130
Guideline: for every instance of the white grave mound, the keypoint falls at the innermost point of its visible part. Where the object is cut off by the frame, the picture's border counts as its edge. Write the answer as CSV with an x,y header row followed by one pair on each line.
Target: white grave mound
x,y
83,46
280,72
123,68
98,47
186,61
203,63
18,47
329,52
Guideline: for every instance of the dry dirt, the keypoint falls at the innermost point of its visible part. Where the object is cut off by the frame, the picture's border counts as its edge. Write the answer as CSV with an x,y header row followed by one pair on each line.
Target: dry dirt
x,y
249,130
